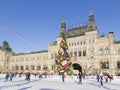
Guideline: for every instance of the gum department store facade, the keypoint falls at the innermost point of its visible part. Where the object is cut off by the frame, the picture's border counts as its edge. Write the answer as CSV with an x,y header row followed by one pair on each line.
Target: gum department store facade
x,y
94,53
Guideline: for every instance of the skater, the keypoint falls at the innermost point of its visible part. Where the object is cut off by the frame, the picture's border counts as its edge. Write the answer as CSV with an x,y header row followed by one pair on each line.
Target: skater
x,y
110,77
106,78
27,76
97,78
63,77
101,80
80,77
11,76
6,77
40,76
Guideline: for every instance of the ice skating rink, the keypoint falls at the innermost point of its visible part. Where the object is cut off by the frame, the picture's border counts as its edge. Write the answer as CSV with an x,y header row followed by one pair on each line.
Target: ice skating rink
x,y
55,83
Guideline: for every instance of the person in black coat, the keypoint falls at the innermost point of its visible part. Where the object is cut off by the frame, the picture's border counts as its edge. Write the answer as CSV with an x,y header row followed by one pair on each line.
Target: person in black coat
x,y
80,77
63,77
6,77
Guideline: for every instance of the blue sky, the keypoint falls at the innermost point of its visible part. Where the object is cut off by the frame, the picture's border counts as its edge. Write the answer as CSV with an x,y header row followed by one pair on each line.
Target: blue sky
x,y
38,22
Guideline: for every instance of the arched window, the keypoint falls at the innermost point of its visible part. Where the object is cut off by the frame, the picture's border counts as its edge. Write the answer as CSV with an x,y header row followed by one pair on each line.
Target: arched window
x,y
21,67
81,42
101,51
69,44
45,67
79,53
104,65
84,53
75,43
38,67
26,67
32,67
72,44
17,67
118,64
107,65
84,42
107,50
75,53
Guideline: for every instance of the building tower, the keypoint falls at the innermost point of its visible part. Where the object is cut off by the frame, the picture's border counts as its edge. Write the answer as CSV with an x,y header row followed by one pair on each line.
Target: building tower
x,y
91,25
5,56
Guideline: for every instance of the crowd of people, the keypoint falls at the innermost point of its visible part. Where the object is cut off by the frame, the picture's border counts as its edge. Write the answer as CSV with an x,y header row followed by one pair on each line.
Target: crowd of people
x,y
11,75
80,76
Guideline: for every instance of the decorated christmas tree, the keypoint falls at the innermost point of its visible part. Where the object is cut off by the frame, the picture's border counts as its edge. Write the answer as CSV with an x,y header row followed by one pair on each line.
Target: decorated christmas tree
x,y
62,58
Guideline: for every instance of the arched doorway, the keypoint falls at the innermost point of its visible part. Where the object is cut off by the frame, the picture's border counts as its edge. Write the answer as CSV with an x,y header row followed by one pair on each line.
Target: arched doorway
x,y
77,66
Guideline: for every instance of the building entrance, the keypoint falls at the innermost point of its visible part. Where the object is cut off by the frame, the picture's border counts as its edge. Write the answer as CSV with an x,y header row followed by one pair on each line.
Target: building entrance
x,y
77,66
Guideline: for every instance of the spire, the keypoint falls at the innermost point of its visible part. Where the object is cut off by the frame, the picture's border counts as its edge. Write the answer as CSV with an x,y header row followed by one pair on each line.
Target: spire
x,y
91,16
63,28
91,25
91,13
63,25
63,21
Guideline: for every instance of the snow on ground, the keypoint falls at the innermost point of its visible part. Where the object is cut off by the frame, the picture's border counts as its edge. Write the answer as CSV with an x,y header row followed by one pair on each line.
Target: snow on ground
x,y
55,83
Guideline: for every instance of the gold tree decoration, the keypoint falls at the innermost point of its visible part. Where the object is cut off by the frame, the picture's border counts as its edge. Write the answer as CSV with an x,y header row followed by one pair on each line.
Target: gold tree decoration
x,y
62,58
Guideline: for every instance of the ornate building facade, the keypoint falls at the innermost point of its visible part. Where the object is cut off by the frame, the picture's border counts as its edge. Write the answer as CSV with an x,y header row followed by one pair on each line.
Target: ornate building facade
x,y
94,53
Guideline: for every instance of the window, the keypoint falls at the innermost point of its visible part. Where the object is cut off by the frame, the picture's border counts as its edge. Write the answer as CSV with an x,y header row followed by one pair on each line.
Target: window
x,y
32,67
72,44
107,50
84,53
17,68
75,53
101,51
79,53
26,67
118,51
21,67
118,65
45,67
84,42
38,67
75,43
69,44
104,65
81,43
